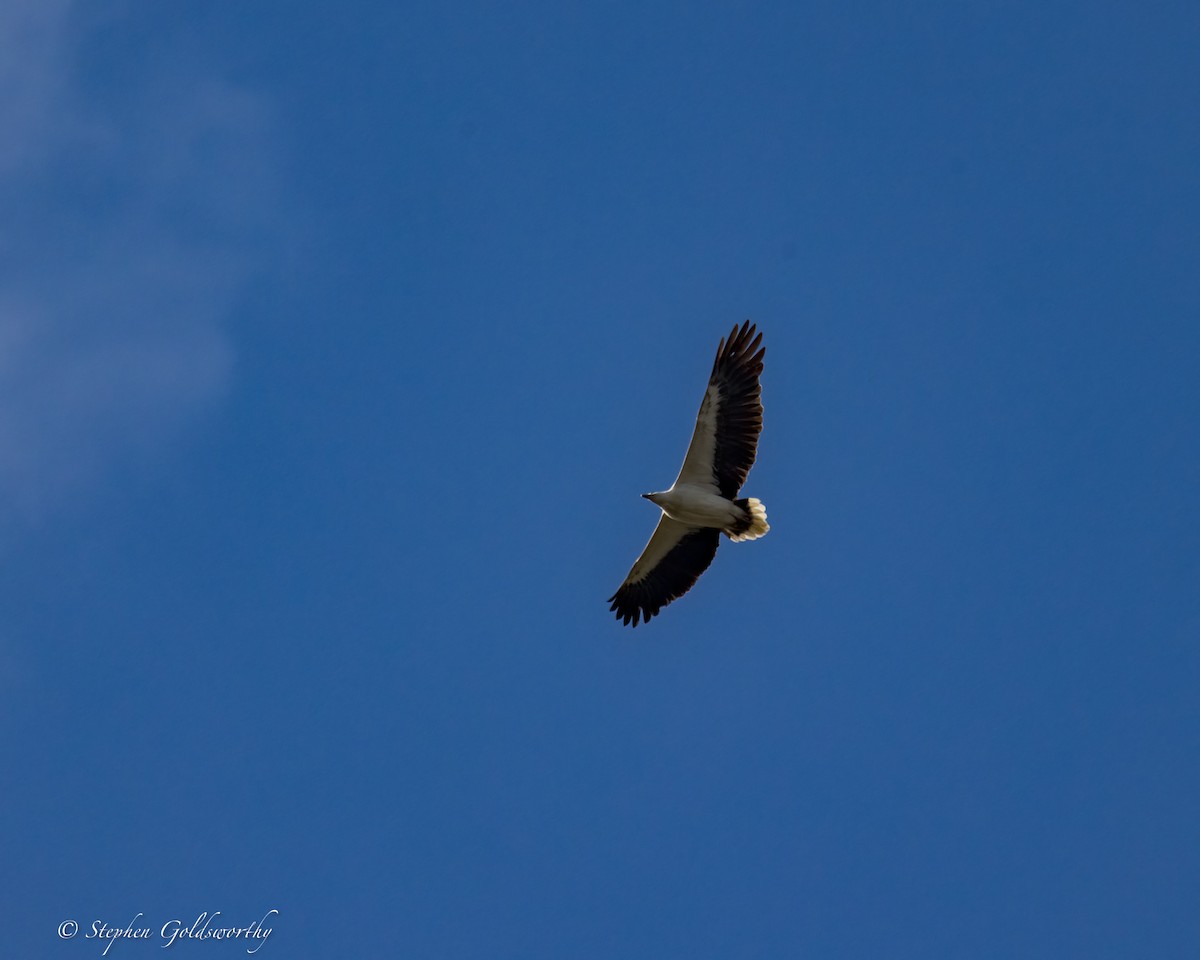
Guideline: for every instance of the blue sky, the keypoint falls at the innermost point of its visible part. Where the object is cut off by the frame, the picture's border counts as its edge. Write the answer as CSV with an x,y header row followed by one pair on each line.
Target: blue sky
x,y
336,347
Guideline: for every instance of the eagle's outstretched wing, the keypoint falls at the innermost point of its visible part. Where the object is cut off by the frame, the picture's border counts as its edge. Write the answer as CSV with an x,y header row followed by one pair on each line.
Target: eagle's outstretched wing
x,y
672,561
730,420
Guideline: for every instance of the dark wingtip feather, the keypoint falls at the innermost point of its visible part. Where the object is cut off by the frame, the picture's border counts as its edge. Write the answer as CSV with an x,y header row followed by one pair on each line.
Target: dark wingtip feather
x,y
738,366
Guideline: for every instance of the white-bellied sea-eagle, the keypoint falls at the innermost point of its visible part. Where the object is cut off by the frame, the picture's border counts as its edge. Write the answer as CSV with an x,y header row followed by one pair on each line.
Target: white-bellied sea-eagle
x,y
703,503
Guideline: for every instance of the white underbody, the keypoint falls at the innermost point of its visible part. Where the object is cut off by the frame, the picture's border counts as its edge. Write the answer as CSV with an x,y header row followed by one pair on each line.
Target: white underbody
x,y
698,506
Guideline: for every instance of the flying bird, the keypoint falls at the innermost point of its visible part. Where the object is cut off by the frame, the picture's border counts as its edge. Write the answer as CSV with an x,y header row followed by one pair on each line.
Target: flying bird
x,y
703,502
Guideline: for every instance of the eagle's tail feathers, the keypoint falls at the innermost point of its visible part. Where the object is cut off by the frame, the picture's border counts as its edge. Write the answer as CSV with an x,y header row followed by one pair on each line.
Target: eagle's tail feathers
x,y
753,525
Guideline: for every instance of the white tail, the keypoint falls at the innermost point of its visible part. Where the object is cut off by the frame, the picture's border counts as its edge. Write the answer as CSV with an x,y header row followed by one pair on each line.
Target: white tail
x,y
757,522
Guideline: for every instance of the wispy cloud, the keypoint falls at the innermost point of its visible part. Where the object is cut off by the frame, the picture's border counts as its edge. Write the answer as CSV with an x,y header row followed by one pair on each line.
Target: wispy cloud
x,y
129,225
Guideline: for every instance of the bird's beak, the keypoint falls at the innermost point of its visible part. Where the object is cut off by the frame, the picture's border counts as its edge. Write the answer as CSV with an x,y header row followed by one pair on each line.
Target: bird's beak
x,y
647,496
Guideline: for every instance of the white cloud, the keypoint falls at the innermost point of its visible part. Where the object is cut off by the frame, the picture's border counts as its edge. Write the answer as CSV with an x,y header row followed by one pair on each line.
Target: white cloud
x,y
128,230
